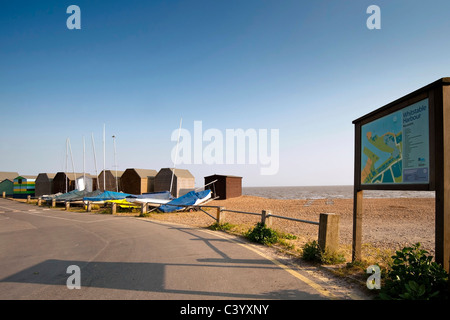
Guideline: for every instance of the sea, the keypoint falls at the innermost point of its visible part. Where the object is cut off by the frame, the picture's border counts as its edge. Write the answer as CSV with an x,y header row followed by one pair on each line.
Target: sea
x,y
328,192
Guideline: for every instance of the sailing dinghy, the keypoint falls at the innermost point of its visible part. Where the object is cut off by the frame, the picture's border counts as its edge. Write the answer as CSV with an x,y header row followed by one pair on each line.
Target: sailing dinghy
x,y
104,196
157,198
189,199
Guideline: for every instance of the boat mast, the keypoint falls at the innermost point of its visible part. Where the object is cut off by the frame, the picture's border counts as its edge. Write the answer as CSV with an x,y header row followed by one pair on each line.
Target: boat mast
x,y
73,166
104,160
176,156
67,157
84,163
95,157
115,162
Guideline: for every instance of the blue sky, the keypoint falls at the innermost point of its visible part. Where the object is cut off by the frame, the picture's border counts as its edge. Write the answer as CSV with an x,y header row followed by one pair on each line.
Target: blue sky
x,y
306,68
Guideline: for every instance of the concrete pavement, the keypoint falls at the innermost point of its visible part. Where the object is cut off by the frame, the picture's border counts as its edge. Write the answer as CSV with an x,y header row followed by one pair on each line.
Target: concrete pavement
x,y
132,258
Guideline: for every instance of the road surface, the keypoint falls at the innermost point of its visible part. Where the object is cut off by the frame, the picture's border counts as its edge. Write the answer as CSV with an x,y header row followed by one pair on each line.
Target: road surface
x,y
133,258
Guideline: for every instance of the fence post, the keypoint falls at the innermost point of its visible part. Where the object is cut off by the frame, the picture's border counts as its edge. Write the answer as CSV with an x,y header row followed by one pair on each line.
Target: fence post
x,y
266,219
113,208
144,208
329,232
4,194
220,215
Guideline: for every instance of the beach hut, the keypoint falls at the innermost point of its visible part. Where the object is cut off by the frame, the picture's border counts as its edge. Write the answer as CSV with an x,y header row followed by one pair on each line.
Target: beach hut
x,y
225,187
111,178
7,183
7,186
44,184
86,182
24,186
65,181
138,181
183,181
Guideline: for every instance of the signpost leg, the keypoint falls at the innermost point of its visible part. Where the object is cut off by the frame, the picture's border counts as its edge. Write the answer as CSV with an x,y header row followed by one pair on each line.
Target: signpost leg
x,y
357,224
443,191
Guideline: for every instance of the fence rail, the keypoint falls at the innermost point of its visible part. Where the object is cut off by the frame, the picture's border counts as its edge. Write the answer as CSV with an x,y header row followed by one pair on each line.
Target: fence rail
x,y
268,214
294,219
244,212
328,233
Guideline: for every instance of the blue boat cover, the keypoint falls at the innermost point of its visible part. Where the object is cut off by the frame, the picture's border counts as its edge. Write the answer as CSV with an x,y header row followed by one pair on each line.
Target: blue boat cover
x,y
107,195
188,199
153,195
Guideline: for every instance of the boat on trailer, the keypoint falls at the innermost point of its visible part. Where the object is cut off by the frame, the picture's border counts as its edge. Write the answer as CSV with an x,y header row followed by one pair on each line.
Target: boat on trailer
x,y
150,198
105,196
186,201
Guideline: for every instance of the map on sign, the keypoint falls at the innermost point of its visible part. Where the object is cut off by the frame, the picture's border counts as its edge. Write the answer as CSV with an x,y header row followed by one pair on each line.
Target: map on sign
x,y
395,148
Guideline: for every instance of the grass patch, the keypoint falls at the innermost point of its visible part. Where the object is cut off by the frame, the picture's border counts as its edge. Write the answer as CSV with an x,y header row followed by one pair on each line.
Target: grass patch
x,y
267,236
221,226
311,251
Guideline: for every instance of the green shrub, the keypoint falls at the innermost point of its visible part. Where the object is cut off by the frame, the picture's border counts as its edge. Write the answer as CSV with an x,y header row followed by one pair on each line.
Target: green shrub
x,y
331,257
221,226
261,234
414,276
312,252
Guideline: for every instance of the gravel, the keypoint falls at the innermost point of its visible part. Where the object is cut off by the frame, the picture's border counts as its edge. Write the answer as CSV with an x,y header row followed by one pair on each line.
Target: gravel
x,y
388,224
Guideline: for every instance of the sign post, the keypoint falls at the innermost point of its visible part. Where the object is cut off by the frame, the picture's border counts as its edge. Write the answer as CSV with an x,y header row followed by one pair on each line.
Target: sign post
x,y
405,145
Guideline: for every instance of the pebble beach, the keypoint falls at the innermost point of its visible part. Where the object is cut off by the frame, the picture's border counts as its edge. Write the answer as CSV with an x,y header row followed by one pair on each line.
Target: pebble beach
x,y
388,223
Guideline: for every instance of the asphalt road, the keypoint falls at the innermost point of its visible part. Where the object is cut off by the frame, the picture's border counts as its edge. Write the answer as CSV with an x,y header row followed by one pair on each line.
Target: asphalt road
x,y
132,258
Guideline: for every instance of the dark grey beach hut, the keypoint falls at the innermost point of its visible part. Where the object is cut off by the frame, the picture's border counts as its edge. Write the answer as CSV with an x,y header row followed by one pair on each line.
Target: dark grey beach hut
x,y
183,181
111,177
44,184
225,187
65,181
138,181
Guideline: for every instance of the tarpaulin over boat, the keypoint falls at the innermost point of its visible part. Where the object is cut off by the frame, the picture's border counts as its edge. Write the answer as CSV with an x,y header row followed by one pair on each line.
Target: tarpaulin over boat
x,y
189,199
107,195
151,197
76,195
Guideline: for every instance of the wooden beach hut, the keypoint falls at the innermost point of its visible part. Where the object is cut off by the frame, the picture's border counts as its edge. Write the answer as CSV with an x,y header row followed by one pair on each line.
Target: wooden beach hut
x,y
44,184
225,187
65,181
24,186
183,181
7,183
7,187
138,181
110,179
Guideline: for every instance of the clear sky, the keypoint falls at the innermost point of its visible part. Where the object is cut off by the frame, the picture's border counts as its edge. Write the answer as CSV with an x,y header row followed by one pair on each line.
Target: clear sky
x,y
305,68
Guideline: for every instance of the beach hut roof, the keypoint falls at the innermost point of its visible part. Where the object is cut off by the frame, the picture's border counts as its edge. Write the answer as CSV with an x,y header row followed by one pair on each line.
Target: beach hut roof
x,y
49,175
114,172
8,175
144,173
223,175
26,177
181,173
70,175
117,174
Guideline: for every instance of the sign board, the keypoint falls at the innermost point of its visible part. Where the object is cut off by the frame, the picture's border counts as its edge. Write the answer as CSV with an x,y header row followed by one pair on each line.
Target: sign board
x,y
395,148
405,145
